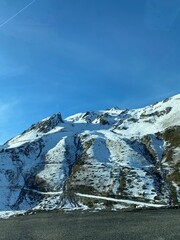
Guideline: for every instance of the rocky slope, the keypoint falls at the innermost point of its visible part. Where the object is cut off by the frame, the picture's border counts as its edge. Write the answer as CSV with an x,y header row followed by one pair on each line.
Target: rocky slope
x,y
114,158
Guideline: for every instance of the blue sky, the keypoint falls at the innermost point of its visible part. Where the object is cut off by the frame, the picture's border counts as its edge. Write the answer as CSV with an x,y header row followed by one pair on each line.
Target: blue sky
x,y
71,56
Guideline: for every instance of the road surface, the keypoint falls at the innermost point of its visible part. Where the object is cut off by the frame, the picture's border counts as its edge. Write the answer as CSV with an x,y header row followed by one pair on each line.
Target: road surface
x,y
161,224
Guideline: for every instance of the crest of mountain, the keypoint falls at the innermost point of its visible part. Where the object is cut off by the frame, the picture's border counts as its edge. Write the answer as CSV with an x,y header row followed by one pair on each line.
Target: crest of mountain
x,y
103,159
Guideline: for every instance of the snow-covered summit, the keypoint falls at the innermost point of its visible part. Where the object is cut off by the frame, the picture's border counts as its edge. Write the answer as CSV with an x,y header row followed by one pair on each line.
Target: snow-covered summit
x,y
129,155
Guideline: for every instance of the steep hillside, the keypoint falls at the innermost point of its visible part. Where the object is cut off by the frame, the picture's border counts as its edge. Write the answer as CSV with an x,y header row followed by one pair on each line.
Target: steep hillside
x,y
114,158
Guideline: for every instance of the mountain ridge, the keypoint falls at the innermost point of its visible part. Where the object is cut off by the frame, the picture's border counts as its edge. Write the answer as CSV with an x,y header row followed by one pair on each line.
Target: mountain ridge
x,y
131,156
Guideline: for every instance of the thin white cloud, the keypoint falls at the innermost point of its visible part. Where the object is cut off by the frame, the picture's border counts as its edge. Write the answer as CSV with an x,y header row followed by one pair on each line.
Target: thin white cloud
x,y
16,14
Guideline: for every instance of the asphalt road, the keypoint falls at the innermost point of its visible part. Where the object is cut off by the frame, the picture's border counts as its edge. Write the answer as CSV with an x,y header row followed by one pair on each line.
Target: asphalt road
x,y
162,224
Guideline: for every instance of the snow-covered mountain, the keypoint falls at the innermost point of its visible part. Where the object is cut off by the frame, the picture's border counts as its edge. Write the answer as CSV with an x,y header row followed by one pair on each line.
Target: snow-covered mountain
x,y
114,158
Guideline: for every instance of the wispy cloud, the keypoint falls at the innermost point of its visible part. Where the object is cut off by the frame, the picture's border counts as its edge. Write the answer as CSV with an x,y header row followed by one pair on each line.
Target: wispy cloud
x,y
16,14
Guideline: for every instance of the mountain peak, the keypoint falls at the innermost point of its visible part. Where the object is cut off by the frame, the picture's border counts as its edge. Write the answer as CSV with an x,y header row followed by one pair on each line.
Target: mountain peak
x,y
48,124
130,156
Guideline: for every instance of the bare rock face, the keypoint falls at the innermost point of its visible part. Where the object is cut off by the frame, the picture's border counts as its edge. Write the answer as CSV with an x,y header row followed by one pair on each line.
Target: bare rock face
x,y
95,159
47,124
